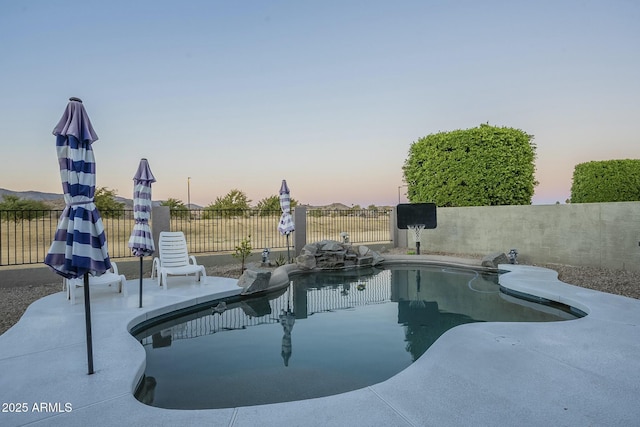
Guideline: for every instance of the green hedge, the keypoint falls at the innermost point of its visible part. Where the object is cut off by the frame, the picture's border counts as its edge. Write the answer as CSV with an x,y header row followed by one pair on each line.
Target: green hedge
x,y
606,181
482,166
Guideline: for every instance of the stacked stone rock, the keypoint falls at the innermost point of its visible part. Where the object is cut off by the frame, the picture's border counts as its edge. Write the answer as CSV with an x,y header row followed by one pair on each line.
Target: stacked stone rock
x,y
333,255
494,259
323,255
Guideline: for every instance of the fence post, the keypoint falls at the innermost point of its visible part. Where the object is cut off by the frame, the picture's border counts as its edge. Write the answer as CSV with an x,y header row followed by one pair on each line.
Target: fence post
x,y
399,237
160,221
300,235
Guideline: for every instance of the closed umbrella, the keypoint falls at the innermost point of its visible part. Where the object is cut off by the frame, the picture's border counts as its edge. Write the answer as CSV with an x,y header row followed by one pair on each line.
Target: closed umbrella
x,y
286,226
287,320
141,240
79,247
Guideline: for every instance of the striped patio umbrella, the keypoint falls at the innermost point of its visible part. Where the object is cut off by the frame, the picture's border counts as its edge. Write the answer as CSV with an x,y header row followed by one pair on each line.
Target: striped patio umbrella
x,y
286,226
141,240
79,247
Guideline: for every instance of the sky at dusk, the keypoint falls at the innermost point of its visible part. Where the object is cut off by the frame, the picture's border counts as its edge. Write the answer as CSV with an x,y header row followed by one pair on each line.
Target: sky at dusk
x,y
328,95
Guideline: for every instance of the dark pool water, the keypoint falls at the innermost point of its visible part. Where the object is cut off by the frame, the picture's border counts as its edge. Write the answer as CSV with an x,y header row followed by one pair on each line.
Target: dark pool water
x,y
326,334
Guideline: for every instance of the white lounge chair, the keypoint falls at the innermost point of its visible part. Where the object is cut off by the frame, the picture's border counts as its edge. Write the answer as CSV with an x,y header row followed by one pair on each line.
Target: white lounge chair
x,y
174,258
111,277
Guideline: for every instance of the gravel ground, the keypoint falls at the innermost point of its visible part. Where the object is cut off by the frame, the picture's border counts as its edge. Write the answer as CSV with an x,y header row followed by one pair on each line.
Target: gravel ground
x,y
15,300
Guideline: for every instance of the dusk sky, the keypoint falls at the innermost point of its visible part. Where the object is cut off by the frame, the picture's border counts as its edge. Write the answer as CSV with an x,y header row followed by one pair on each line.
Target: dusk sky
x,y
328,95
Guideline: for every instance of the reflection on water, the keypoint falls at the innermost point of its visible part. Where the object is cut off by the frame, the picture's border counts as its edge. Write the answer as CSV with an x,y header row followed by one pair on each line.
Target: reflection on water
x,y
287,320
352,329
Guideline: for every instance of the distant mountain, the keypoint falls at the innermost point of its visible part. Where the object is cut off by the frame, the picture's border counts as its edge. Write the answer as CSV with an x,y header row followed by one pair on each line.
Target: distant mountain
x,y
31,195
55,200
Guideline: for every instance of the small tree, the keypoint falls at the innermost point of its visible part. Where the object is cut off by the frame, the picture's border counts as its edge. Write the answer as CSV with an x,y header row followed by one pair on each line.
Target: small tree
x,y
105,201
243,250
22,209
234,203
269,205
177,209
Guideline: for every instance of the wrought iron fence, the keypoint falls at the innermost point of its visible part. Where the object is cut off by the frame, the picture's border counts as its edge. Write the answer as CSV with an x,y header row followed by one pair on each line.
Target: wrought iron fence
x,y
118,225
222,230
25,236
356,225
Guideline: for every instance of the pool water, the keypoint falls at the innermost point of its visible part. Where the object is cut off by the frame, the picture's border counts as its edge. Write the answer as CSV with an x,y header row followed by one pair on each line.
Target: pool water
x,y
328,333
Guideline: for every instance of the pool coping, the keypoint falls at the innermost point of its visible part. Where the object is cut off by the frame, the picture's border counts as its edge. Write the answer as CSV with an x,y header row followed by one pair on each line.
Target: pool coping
x,y
578,372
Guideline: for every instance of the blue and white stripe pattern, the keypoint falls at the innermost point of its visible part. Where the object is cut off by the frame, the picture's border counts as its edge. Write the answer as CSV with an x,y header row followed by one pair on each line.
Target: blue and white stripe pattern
x,y
286,225
79,245
141,240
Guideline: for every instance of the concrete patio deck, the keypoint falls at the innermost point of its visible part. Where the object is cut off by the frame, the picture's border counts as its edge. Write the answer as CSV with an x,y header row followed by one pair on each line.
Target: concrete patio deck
x,y
573,373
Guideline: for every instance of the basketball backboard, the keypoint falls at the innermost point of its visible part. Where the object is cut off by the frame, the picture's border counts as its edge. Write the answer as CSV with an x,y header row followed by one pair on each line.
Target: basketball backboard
x,y
416,213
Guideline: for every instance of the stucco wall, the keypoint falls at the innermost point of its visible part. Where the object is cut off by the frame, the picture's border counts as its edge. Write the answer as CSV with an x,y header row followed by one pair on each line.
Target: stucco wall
x,y
598,234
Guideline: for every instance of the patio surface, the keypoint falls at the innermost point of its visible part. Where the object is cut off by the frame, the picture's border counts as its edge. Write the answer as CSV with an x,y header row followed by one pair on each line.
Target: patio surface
x,y
572,373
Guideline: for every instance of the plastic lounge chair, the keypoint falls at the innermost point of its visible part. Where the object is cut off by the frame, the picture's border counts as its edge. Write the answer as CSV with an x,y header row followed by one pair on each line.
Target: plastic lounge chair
x,y
111,277
174,258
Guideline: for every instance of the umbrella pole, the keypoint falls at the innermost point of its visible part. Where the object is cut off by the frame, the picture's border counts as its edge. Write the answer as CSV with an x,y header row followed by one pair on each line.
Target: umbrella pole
x,y
288,254
87,318
140,306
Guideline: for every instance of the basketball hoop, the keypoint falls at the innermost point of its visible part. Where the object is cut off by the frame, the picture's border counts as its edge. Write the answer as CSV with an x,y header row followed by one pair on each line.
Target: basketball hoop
x,y
416,217
417,229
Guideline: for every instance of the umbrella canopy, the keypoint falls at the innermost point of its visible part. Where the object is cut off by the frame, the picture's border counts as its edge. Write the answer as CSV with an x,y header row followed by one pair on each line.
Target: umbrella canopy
x,y
141,241
79,245
286,226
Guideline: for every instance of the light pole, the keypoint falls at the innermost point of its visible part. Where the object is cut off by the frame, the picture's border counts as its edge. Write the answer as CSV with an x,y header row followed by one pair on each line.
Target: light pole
x,y
399,187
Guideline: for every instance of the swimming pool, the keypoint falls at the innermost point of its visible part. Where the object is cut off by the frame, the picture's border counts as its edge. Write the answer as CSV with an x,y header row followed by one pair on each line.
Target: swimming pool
x,y
327,333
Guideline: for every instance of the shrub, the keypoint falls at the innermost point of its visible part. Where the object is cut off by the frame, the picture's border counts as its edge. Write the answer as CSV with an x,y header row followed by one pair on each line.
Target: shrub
x,y
22,209
483,166
606,181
